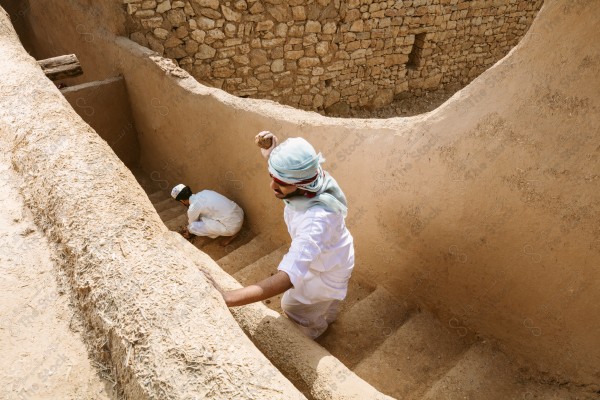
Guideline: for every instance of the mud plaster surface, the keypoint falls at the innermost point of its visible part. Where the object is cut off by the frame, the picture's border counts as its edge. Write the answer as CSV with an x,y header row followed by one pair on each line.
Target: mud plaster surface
x,y
515,288
43,354
152,316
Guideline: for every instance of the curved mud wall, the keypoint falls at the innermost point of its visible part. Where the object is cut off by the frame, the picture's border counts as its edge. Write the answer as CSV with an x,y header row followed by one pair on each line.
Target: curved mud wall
x,y
327,54
154,317
484,210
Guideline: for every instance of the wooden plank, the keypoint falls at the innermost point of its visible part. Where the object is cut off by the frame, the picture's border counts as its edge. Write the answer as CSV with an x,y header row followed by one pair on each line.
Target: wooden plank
x,y
61,67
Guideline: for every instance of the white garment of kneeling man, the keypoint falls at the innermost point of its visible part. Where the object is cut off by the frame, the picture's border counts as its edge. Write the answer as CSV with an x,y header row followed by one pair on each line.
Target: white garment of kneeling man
x,y
209,213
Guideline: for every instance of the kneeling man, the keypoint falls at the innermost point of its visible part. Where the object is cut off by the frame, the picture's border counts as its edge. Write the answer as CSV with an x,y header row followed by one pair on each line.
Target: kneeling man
x,y
209,213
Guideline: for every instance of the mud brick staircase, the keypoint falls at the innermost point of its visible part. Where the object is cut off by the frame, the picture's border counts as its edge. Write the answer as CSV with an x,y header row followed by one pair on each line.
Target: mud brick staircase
x,y
405,353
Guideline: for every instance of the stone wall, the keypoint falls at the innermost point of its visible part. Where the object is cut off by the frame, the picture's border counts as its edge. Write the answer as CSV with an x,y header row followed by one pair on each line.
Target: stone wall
x,y
331,53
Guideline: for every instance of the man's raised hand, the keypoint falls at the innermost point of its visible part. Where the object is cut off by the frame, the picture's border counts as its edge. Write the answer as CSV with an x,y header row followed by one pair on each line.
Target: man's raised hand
x,y
267,142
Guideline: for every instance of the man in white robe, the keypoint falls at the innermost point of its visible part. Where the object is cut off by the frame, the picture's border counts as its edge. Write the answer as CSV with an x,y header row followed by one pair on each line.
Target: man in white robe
x,y
314,274
209,213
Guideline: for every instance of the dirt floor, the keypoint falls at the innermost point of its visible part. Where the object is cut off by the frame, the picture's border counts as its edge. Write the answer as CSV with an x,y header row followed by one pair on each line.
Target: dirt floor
x,y
43,355
406,105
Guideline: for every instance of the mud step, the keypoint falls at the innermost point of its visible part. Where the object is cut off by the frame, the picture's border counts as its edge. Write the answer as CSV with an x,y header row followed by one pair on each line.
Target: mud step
x,y
261,269
177,222
257,247
412,358
364,327
164,204
201,241
173,212
357,291
158,196
216,250
485,373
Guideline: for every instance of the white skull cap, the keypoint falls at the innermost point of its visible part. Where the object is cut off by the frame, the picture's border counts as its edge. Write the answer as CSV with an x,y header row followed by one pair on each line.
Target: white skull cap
x,y
176,190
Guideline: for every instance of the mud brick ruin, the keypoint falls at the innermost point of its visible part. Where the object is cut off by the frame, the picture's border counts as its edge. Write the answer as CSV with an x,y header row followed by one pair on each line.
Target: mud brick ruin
x,y
475,223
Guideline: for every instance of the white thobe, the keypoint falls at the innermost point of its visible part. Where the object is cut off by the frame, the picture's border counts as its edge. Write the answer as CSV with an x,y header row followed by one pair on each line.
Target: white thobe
x,y
319,263
212,214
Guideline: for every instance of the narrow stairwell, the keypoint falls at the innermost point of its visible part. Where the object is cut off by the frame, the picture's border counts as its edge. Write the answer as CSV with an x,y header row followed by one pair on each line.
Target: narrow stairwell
x,y
174,216
403,352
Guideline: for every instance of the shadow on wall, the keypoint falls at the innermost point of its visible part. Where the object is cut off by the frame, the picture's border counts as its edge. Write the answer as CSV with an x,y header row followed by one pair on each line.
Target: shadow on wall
x,y
104,105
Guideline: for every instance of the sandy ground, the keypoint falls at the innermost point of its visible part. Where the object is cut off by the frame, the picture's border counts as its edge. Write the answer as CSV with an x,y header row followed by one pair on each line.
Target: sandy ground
x,y
42,356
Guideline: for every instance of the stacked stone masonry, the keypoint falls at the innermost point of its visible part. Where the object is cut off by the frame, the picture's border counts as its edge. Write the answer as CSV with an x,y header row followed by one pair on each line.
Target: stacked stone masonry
x,y
330,54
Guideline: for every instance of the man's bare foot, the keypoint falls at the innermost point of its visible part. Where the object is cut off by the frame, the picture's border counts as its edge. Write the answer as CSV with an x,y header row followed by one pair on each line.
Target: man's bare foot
x,y
185,233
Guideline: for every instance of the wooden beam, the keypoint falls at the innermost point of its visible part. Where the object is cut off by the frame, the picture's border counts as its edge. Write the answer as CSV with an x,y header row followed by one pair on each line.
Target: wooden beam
x,y
60,67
